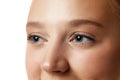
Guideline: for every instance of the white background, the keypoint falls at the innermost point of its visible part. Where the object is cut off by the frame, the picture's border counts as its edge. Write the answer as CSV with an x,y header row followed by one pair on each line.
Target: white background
x,y
13,18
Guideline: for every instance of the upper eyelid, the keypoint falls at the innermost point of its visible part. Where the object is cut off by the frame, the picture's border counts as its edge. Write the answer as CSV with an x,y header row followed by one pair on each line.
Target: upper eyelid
x,y
86,36
80,33
40,36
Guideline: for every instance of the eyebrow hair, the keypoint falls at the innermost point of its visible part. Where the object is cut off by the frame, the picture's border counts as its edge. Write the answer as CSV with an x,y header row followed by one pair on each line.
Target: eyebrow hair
x,y
78,22
34,23
73,23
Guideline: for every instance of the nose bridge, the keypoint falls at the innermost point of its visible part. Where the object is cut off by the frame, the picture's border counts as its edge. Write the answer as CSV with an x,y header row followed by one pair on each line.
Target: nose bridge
x,y
55,45
54,52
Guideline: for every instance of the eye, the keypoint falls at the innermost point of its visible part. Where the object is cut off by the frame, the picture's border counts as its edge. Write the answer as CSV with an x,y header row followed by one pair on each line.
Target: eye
x,y
81,39
35,39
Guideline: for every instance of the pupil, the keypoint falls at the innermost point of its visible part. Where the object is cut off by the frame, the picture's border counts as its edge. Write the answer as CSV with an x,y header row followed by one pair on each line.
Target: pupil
x,y
36,38
78,38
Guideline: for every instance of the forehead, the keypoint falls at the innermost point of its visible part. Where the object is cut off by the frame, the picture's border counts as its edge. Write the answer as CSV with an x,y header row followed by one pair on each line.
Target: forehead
x,y
53,11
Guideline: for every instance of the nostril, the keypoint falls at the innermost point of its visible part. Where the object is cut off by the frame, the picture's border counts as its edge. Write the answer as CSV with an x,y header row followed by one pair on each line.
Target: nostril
x,y
58,71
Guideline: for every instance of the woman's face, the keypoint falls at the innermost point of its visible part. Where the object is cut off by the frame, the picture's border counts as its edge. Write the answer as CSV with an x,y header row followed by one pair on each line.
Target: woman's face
x,y
72,40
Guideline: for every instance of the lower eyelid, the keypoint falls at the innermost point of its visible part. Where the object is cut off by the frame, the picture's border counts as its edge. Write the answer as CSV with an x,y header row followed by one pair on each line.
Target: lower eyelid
x,y
87,44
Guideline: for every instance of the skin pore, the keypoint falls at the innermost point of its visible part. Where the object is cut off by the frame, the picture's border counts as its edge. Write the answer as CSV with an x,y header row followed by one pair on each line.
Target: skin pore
x,y
72,40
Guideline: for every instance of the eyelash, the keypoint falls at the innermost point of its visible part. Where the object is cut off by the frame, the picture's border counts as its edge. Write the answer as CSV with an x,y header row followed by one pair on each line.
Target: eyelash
x,y
81,39
76,39
35,39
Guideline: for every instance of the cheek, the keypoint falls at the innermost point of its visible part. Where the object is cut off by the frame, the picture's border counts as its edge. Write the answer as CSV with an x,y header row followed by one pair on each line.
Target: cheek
x,y
33,60
93,63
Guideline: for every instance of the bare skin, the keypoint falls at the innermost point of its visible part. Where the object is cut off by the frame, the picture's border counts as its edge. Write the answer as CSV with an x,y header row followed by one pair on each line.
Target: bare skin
x,y
72,40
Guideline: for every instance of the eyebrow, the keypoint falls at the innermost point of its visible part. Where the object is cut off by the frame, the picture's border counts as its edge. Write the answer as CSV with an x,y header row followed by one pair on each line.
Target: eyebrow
x,y
85,22
34,24
73,23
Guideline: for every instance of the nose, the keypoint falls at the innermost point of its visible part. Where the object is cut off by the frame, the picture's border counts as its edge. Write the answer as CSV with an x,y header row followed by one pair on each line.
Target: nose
x,y
55,61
